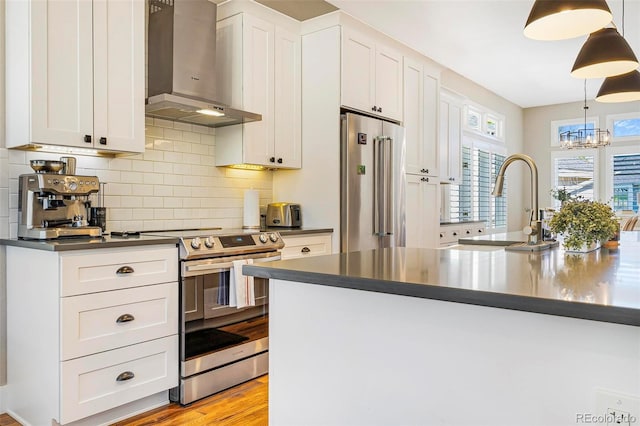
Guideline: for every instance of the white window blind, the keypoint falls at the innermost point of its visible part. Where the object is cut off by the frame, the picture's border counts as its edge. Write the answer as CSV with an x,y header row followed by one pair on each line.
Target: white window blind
x,y
472,199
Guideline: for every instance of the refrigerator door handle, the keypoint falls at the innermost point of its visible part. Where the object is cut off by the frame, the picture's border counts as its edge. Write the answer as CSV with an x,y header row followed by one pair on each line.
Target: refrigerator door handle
x,y
383,203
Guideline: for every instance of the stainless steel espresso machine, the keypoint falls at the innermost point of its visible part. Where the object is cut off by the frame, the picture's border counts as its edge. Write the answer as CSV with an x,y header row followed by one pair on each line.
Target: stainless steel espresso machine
x,y
52,205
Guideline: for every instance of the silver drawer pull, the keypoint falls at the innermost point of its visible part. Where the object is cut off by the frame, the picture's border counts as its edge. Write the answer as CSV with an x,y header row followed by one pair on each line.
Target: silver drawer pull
x,y
127,375
305,250
125,270
125,318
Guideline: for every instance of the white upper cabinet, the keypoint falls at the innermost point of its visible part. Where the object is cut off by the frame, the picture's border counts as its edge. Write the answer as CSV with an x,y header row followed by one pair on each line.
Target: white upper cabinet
x,y
450,139
75,74
420,118
371,76
258,67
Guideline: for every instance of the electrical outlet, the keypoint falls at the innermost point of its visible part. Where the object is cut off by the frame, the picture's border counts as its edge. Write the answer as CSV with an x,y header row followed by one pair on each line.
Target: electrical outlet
x,y
619,409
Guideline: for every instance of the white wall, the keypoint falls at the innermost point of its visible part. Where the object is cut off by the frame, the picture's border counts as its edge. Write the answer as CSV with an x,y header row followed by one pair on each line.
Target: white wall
x,y
537,134
518,173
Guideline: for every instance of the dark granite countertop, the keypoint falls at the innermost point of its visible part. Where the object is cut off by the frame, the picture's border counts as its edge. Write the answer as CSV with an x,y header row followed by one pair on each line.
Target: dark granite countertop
x,y
298,231
600,286
460,222
106,241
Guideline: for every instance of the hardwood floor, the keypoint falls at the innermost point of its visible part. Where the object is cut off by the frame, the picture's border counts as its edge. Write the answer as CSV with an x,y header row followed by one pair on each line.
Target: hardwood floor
x,y
242,405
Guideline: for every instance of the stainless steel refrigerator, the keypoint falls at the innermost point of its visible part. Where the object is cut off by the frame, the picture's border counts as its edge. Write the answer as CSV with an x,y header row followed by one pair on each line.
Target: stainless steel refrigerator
x,y
372,183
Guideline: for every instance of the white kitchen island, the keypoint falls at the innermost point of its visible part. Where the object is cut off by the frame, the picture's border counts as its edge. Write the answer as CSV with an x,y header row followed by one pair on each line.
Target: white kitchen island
x,y
453,337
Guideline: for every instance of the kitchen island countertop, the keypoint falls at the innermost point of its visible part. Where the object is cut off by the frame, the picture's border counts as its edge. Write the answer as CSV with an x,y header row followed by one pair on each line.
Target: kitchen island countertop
x,y
600,286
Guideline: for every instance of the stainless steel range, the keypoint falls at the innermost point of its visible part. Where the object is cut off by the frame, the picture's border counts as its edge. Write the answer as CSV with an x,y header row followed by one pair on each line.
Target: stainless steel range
x,y
221,344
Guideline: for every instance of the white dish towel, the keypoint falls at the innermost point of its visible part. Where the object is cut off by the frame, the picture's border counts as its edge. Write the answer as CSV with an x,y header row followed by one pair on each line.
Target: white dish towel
x,y
241,288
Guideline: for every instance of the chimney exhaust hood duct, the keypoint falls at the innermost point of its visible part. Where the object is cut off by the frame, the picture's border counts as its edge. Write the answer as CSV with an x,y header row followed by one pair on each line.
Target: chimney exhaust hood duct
x,y
182,65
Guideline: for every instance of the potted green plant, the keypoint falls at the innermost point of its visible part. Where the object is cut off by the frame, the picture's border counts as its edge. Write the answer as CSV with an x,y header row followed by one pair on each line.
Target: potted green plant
x,y
584,224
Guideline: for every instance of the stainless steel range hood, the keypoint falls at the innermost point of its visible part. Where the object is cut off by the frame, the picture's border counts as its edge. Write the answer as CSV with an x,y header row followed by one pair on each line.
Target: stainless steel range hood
x,y
182,65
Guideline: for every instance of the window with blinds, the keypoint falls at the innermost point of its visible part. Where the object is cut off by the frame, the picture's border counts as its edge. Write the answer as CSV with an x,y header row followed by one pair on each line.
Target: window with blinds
x,y
472,199
626,182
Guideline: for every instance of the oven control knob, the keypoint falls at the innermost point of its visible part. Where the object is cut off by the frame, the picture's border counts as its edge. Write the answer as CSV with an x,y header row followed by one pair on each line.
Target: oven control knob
x,y
263,238
196,243
273,237
208,242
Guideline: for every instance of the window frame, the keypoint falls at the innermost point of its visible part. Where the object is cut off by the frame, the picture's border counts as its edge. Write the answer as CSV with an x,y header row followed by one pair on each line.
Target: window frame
x,y
473,140
556,124
610,152
594,152
611,118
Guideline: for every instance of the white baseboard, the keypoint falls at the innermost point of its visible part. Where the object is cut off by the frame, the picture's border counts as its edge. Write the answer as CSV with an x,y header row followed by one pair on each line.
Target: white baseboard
x,y
2,408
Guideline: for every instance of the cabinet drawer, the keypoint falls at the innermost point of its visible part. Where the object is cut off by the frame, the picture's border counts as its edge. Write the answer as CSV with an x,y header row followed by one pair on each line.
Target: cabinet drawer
x,y
306,245
90,384
102,321
450,235
113,269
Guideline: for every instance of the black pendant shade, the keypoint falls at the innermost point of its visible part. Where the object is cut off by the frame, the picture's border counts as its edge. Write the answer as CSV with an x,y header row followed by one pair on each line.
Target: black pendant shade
x,y
560,19
620,88
605,53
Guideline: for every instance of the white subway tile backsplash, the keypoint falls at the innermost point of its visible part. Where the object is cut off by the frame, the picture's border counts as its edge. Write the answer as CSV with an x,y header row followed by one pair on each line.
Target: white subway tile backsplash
x,y
173,134
154,132
163,190
162,168
129,202
163,214
153,178
142,190
133,177
182,126
120,164
161,145
191,137
173,157
173,184
112,188
152,202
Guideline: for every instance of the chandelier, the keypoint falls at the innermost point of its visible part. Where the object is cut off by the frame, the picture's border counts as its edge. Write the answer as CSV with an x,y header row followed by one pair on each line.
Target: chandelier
x,y
585,138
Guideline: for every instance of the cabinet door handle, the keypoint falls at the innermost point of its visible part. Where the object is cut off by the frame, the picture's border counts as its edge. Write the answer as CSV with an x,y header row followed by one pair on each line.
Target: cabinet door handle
x,y
468,232
127,375
424,170
103,141
125,270
455,234
125,318
479,231
374,109
279,160
305,250
424,179
379,109
272,159
87,138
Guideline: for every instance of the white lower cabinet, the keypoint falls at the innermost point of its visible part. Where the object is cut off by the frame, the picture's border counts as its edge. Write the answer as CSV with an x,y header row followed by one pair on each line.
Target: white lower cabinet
x,y
305,245
92,334
105,380
451,233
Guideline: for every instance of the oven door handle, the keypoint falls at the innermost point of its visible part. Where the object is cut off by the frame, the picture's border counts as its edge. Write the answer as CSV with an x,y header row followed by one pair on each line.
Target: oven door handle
x,y
201,267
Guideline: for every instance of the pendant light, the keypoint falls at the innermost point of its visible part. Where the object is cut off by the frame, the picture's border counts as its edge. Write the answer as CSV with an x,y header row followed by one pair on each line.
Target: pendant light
x,y
585,138
620,88
563,19
605,53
